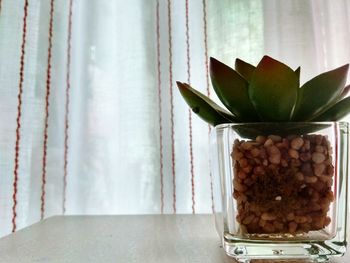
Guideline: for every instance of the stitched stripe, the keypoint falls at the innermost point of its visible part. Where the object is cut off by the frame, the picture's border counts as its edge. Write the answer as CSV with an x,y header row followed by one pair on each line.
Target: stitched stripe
x,y
66,115
160,113
19,115
47,98
205,30
171,105
188,54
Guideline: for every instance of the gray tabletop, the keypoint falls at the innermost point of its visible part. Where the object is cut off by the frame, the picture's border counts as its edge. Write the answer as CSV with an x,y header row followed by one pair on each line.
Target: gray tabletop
x,y
148,238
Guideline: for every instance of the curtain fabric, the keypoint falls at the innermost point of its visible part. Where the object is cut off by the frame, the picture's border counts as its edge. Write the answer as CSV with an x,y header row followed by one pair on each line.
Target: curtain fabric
x,y
91,119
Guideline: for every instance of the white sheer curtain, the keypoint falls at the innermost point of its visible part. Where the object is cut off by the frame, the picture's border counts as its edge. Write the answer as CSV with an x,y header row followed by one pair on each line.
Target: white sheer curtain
x,y
123,152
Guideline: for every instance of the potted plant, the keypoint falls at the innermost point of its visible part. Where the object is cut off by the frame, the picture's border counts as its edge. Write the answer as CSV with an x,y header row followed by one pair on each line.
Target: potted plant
x,y
279,159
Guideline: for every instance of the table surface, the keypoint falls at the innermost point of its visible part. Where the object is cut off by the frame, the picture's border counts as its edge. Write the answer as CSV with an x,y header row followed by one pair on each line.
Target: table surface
x,y
146,238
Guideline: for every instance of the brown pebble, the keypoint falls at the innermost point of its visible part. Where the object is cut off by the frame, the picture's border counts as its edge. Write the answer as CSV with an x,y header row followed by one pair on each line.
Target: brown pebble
x,y
269,228
293,153
275,159
318,157
330,196
299,176
305,156
248,181
268,143
306,145
319,149
259,170
318,186
325,178
295,163
319,168
247,146
311,179
330,169
292,227
242,175
284,163
296,143
306,169
318,139
318,222
255,152
262,222
237,155
243,162
315,196
247,169
275,138
290,216
268,216
274,154
239,187
260,139
273,150
315,207
300,219
278,225
248,220
241,198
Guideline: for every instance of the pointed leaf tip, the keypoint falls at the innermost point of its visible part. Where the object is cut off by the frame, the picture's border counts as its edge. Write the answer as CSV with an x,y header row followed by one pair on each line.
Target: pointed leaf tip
x,y
244,68
273,90
232,90
336,112
204,107
345,92
320,93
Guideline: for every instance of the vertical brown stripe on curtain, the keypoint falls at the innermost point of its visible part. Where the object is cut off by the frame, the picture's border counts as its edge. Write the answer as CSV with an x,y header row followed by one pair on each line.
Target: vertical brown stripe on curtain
x,y
47,98
205,32
66,113
171,104
159,89
19,114
206,57
189,111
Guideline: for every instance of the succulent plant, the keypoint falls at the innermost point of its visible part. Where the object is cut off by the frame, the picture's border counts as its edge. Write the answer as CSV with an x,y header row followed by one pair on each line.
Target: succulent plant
x,y
269,92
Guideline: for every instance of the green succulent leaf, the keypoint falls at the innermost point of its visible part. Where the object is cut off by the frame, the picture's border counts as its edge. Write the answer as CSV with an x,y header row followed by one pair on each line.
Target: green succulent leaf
x,y
204,107
320,93
273,90
336,112
297,73
232,90
244,68
345,92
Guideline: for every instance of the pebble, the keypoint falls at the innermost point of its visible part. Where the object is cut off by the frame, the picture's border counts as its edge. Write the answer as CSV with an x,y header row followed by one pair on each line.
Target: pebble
x,y
293,153
318,157
296,143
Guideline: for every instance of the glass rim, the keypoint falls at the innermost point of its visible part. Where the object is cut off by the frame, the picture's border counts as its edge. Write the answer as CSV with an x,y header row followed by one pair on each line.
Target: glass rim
x,y
232,124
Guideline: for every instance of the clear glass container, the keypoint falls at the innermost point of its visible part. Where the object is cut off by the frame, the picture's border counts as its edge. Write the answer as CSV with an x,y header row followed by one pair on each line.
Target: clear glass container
x,y
280,189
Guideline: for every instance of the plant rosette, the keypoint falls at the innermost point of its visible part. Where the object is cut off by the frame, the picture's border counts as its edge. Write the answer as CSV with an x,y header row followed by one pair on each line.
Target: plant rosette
x,y
279,159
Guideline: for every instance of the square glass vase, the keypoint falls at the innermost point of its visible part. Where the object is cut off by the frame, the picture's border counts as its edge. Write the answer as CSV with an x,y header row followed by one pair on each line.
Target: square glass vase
x,y
280,189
